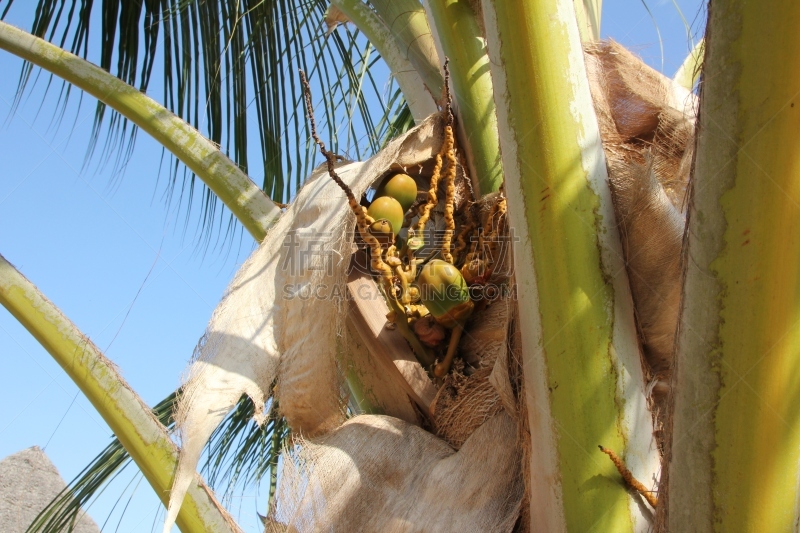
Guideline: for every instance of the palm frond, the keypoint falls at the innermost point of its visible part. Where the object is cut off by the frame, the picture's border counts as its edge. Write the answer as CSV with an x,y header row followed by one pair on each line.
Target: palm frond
x,y
65,509
229,68
401,122
687,27
658,32
240,454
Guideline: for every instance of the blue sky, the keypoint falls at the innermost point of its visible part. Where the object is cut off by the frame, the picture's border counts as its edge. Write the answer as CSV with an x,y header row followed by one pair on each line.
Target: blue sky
x,y
108,251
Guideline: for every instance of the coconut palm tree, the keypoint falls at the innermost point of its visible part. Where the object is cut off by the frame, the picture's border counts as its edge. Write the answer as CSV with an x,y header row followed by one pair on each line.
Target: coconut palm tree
x,y
699,377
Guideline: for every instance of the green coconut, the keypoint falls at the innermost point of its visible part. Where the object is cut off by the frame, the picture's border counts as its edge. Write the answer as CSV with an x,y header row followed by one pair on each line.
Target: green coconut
x,y
402,188
389,209
445,293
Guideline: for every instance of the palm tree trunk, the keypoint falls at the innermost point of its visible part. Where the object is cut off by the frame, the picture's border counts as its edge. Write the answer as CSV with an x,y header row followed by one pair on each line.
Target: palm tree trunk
x,y
735,456
407,21
458,35
581,364
589,14
689,71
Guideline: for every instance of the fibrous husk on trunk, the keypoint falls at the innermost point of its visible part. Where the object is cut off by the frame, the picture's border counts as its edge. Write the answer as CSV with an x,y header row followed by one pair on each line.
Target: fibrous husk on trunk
x,y
378,473
647,125
480,386
463,404
642,112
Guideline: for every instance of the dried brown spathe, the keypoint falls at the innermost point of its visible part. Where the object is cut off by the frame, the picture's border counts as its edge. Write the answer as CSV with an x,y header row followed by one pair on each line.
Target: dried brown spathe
x,y
647,127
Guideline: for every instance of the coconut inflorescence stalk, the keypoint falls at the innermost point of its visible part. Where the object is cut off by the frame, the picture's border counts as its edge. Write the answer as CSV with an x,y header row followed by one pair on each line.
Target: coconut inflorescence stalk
x,y
421,278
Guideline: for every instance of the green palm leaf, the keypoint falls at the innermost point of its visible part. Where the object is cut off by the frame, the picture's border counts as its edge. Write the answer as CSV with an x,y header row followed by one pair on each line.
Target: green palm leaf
x,y
229,69
240,454
64,510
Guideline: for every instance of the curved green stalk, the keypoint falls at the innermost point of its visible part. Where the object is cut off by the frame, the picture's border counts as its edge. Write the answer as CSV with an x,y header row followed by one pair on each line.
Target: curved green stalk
x,y
735,441
589,14
689,72
129,418
418,98
243,197
406,20
460,39
581,363
246,201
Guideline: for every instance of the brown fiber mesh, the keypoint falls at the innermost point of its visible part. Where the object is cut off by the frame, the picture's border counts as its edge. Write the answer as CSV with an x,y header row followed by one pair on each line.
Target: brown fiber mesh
x,y
479,387
647,126
463,404
640,111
